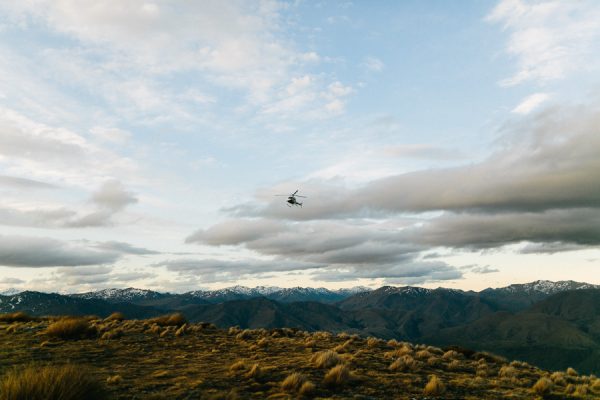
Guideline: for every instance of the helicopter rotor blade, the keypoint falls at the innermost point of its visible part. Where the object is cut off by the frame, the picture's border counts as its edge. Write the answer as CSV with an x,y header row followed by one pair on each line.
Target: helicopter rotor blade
x,y
295,192
300,196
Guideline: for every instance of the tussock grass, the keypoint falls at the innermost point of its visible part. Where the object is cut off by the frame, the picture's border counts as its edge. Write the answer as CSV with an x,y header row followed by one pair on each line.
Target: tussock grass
x,y
112,334
326,359
293,382
176,319
52,382
572,372
435,387
373,342
423,354
255,372
339,375
237,366
452,355
558,378
543,386
71,328
114,380
116,316
404,363
307,389
16,317
507,371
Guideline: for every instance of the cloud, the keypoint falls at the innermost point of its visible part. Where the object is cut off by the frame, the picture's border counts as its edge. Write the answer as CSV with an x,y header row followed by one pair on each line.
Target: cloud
x,y
373,64
549,39
547,161
422,151
551,247
110,199
24,183
480,231
113,196
530,103
126,51
414,272
36,252
234,232
47,153
484,270
213,270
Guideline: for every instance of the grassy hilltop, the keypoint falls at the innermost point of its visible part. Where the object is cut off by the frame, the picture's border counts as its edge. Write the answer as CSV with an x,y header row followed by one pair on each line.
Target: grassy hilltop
x,y
166,357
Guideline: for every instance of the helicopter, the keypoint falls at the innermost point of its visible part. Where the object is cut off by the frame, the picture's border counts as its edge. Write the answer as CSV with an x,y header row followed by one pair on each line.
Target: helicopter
x,y
292,201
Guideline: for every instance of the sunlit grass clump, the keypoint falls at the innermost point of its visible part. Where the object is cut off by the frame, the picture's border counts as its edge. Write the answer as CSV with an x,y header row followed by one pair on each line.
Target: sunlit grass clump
x,y
16,317
71,328
52,382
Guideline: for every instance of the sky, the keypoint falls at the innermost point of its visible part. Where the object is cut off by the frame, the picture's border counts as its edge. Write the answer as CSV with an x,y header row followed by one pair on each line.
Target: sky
x,y
142,143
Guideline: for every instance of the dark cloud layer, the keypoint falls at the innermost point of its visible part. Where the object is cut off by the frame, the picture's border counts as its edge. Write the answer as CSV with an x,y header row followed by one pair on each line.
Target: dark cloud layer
x,y
549,161
36,252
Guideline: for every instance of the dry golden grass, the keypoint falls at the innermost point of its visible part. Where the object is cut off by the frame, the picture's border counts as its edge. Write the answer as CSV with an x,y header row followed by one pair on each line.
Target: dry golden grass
x,y
404,363
52,382
435,387
197,364
307,389
176,319
326,359
114,380
71,328
507,371
339,375
16,317
373,342
543,386
116,316
255,372
293,382
571,372
112,334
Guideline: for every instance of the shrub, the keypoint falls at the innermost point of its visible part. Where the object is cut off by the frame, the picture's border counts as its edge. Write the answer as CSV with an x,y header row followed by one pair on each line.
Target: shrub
x,y
176,319
52,382
339,375
543,386
326,359
116,316
293,382
16,317
71,328
434,387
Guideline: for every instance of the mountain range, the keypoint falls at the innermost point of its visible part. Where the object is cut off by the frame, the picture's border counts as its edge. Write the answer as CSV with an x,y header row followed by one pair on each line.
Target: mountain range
x,y
551,324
